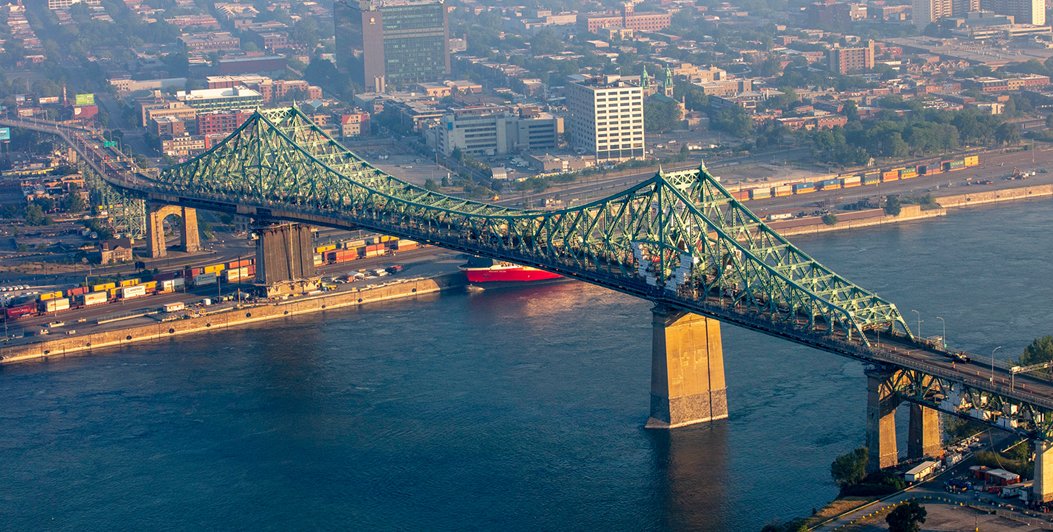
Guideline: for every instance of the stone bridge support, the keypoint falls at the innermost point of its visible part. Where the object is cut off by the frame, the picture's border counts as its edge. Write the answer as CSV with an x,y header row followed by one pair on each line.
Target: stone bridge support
x,y
284,253
1043,487
687,370
155,229
924,438
881,420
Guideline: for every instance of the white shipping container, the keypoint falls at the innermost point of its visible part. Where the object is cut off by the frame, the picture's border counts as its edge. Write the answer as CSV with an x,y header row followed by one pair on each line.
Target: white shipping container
x,y
167,285
174,307
95,298
178,282
129,292
204,279
54,305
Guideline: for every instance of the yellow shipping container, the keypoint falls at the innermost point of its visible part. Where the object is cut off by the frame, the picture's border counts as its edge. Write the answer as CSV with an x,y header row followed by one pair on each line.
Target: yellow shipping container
x,y
324,248
50,295
113,292
972,160
103,287
215,268
129,282
150,285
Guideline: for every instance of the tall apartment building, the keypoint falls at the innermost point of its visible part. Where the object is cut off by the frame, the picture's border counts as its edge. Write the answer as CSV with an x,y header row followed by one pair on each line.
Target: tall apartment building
x,y
852,60
397,42
1022,11
926,12
494,131
606,117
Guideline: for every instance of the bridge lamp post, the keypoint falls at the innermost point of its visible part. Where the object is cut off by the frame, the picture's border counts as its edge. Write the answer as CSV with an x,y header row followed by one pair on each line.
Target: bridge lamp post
x,y
992,362
919,322
944,332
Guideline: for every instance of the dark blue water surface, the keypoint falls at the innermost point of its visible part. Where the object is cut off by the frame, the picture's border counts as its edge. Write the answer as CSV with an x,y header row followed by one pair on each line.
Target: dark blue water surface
x,y
517,409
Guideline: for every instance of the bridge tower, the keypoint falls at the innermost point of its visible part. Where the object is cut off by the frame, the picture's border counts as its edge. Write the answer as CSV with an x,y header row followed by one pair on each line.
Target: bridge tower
x,y
1043,487
924,438
284,257
155,229
687,370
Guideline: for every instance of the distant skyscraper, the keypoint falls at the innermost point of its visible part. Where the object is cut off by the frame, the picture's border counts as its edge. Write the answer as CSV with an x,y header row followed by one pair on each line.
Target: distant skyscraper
x,y
397,42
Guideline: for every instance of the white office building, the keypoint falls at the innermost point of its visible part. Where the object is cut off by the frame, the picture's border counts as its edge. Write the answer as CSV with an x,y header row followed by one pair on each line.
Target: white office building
x,y
606,117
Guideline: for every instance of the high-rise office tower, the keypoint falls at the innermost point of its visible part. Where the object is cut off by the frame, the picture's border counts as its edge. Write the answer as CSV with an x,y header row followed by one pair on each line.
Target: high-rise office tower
x,y
606,117
392,42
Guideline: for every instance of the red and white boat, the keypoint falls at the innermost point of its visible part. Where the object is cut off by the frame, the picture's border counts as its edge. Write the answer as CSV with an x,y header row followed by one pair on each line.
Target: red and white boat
x,y
490,273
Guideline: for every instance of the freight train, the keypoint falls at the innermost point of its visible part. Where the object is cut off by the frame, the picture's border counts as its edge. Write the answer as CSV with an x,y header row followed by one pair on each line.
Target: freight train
x,y
836,182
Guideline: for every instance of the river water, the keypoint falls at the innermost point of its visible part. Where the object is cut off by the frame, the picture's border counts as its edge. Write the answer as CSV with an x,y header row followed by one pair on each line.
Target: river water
x,y
505,410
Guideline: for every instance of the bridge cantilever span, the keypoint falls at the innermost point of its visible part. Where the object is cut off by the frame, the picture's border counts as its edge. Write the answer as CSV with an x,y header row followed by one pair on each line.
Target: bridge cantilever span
x,y
677,239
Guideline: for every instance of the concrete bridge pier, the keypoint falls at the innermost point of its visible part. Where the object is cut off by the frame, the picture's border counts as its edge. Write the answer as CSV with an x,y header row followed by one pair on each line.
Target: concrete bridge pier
x,y
923,433
881,420
1043,486
190,240
284,257
687,370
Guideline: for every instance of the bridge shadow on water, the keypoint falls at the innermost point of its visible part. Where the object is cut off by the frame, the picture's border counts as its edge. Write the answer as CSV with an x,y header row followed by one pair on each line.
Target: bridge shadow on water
x,y
681,458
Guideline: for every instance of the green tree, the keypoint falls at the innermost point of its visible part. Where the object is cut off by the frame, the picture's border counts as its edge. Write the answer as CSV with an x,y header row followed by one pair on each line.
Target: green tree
x,y
430,185
73,203
906,517
35,215
1007,133
893,206
1040,350
850,468
830,219
851,110
661,114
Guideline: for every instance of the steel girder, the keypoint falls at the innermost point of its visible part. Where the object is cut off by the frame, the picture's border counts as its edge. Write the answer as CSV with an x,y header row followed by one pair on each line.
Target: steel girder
x,y
679,237
965,399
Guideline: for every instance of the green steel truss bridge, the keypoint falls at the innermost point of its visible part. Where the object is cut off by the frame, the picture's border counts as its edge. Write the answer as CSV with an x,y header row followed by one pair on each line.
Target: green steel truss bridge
x,y
678,239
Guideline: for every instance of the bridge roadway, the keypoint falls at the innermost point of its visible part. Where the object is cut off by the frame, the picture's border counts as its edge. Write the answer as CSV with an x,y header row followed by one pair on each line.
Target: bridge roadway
x,y
892,352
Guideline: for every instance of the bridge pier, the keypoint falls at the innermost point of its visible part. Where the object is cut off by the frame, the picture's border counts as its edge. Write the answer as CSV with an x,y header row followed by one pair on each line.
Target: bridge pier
x,y
687,370
923,433
1043,486
881,420
155,229
284,257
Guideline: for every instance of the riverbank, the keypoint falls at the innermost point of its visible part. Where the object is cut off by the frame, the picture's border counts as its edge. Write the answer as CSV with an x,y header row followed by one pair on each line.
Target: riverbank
x,y
230,317
910,213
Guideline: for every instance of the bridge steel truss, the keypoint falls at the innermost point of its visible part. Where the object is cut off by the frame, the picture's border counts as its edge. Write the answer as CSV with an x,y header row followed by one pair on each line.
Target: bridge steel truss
x,y
678,239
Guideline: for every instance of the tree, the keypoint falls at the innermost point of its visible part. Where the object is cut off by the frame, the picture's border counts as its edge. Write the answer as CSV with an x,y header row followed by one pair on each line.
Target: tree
x,y
1040,350
1007,133
906,517
35,215
661,114
73,203
830,219
850,468
851,110
893,206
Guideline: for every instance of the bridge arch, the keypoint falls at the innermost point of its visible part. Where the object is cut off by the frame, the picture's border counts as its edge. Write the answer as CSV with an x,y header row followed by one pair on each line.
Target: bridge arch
x,y
189,239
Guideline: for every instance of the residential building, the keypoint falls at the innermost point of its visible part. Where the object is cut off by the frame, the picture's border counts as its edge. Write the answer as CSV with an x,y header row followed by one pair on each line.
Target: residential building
x,y
354,124
852,60
488,130
184,145
220,99
396,42
210,42
606,117
926,12
66,4
221,123
627,18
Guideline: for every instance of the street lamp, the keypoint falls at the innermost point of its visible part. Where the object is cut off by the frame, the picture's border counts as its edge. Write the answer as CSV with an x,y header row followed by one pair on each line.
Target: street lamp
x,y
992,362
919,322
944,332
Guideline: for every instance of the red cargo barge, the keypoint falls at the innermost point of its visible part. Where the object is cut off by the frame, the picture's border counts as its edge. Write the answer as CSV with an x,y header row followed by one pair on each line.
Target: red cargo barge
x,y
488,272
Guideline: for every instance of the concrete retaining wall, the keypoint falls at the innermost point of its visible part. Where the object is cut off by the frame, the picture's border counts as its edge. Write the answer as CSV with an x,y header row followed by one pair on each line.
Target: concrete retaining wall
x,y
995,196
225,319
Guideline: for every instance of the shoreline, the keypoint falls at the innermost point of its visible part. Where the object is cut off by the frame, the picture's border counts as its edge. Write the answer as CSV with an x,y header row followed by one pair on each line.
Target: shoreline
x,y
910,213
227,318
